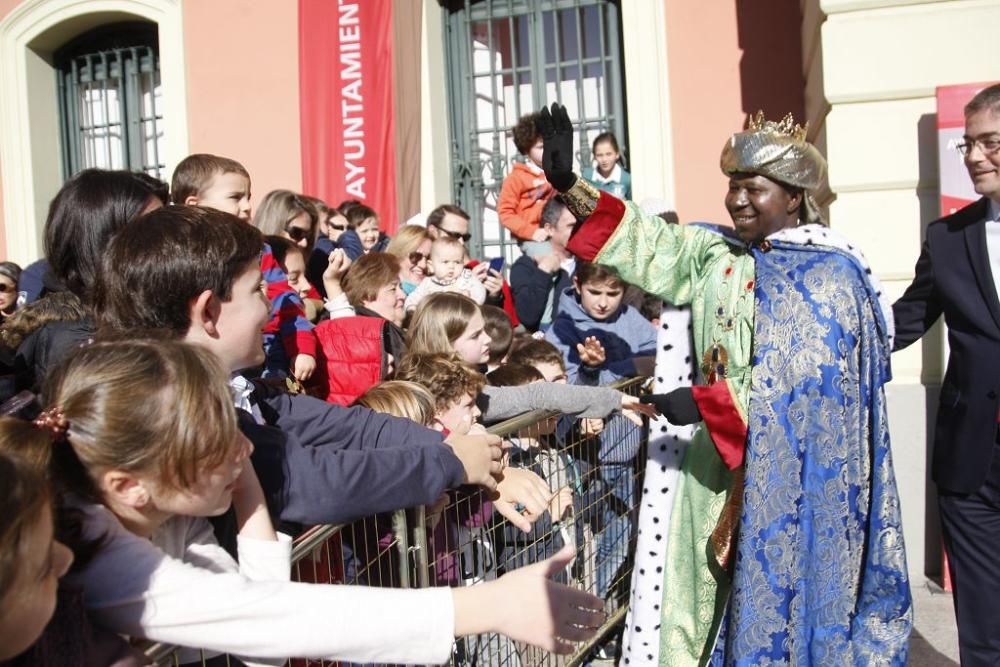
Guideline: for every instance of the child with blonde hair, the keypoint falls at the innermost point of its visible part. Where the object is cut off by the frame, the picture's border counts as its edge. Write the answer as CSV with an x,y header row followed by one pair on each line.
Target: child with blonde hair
x,y
142,436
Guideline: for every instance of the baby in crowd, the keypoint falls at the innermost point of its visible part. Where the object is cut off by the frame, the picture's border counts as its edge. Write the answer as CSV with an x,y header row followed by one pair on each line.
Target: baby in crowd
x,y
448,274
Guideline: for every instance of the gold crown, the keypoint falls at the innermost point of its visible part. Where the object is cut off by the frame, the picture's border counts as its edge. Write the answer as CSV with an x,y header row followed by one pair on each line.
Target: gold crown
x,y
787,127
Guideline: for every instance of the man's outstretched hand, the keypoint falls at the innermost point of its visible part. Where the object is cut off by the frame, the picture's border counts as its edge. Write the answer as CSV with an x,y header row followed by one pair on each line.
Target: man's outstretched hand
x,y
557,136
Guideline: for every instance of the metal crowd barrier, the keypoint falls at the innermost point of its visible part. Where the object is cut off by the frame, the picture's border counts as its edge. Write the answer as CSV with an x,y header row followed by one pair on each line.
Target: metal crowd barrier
x,y
463,540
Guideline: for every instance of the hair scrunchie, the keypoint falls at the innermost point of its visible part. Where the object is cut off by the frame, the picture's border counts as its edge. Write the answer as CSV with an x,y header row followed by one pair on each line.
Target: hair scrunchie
x,y
54,421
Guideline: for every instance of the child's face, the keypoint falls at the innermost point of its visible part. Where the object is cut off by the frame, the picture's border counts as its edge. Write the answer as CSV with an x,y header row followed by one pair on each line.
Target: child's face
x,y
239,343
552,372
367,231
606,157
295,267
460,416
536,152
212,493
30,601
474,343
446,262
600,300
388,302
229,192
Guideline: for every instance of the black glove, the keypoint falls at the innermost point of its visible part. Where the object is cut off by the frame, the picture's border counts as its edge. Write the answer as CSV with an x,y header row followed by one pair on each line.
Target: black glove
x,y
678,406
557,135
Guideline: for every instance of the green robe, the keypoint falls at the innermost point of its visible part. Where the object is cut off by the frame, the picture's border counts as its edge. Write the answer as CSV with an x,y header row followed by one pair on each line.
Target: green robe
x,y
685,264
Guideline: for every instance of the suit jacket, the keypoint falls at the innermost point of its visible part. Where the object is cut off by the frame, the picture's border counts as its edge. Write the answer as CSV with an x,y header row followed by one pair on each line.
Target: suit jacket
x,y
953,277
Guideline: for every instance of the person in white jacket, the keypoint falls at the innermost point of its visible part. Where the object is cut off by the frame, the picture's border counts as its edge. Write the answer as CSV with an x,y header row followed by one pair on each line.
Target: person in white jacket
x,y
143,438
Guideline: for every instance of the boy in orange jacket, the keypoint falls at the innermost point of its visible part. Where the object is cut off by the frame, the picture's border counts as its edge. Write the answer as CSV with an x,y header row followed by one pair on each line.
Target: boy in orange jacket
x,y
525,190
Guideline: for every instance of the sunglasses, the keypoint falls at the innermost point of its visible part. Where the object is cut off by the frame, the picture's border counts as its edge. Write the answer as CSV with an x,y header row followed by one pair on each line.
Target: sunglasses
x,y
417,257
339,228
297,233
464,238
4,288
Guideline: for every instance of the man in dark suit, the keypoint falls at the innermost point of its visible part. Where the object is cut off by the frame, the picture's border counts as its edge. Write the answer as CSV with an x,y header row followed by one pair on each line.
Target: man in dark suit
x,y
958,275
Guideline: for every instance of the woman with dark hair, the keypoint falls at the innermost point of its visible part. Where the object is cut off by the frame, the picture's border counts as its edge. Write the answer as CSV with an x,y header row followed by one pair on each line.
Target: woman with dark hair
x,y
84,215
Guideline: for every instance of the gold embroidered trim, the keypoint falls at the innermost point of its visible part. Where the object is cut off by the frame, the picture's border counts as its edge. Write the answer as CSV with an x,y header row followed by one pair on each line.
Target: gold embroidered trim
x,y
725,530
581,199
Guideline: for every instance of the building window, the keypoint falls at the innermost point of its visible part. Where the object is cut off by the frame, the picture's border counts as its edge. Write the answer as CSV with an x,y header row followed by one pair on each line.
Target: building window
x,y
110,100
506,59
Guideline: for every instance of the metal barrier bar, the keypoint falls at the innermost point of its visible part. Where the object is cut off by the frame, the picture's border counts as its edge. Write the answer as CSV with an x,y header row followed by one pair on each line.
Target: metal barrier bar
x,y
467,541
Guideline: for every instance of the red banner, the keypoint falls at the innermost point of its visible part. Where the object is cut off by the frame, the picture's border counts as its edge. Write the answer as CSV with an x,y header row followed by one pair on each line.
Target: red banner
x,y
346,103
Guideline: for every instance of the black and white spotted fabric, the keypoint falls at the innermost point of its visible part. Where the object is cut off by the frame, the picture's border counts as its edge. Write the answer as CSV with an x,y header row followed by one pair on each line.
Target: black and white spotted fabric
x,y
675,367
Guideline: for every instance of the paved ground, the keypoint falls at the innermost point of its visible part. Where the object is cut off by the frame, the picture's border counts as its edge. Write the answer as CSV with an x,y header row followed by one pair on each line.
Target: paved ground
x,y
934,642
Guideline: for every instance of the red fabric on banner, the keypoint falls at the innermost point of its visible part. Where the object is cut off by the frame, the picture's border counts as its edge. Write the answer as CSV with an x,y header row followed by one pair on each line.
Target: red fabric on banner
x,y
346,104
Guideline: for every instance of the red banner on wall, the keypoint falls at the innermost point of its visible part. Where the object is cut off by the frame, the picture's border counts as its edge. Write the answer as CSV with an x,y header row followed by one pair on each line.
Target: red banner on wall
x,y
346,103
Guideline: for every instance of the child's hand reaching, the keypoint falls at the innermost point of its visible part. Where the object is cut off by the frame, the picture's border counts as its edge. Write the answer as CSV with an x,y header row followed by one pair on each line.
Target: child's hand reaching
x,y
634,411
527,606
336,267
481,455
522,487
561,504
303,366
591,352
591,426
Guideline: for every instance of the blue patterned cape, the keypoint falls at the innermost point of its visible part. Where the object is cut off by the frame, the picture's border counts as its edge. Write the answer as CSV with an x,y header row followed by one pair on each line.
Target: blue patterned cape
x,y
820,574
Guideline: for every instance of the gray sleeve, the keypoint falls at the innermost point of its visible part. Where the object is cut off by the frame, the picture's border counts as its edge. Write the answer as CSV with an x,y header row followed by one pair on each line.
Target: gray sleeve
x,y
499,403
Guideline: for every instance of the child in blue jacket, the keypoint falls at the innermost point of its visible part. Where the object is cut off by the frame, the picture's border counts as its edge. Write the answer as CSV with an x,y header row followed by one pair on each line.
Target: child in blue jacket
x,y
604,340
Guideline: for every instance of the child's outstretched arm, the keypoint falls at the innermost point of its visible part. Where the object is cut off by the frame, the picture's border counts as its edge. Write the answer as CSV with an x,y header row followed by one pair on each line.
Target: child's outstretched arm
x,y
527,606
520,486
252,518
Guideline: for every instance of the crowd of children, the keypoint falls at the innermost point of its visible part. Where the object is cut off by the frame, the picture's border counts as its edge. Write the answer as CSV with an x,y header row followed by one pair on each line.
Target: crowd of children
x,y
140,504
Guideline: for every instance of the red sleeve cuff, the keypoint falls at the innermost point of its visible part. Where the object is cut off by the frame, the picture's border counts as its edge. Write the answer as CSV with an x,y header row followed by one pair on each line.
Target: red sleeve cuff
x,y
724,421
591,234
305,341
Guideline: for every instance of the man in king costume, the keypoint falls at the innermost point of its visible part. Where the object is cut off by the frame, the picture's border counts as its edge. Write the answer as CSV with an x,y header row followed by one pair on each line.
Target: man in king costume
x,y
784,543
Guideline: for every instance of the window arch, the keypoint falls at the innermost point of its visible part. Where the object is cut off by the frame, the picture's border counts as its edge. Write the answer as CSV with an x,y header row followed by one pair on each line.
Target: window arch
x,y
110,99
31,162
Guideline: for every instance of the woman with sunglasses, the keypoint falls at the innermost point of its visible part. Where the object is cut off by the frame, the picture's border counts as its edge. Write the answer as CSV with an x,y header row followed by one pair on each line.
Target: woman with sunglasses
x,y
412,247
289,215
10,274
289,342
331,225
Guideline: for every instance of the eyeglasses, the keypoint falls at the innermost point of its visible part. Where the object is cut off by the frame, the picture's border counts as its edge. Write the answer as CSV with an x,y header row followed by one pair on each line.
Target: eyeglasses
x,y
988,146
417,257
339,228
464,238
297,233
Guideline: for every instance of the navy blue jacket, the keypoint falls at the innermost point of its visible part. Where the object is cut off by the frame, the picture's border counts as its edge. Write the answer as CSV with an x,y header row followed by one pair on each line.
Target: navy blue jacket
x,y
954,279
323,463
317,263
530,287
624,335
